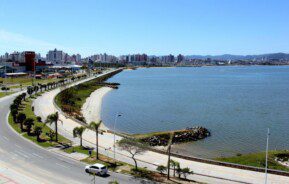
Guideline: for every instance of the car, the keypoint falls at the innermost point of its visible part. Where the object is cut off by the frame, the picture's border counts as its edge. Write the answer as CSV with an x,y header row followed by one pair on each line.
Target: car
x,y
97,169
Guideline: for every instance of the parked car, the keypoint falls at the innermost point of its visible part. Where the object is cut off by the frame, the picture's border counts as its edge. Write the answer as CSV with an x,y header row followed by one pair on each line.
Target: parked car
x,y
98,169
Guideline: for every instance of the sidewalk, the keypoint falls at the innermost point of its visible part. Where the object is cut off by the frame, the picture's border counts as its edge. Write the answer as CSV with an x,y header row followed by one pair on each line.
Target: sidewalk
x,y
203,172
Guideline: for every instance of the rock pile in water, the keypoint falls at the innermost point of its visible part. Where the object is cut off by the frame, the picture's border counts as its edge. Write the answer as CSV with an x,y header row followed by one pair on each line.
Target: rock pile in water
x,y
181,136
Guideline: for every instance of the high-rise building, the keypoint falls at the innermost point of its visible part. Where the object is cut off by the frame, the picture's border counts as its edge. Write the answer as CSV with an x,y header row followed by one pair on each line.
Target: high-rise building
x,y
55,56
180,58
168,59
78,58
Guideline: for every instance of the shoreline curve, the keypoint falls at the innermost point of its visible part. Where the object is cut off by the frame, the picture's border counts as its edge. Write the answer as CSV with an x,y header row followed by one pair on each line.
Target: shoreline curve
x,y
91,109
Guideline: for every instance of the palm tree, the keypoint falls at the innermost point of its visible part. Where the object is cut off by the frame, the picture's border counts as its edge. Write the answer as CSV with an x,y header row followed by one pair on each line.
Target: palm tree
x,y
29,122
77,132
13,106
21,117
175,165
14,113
38,132
30,90
54,118
23,96
95,126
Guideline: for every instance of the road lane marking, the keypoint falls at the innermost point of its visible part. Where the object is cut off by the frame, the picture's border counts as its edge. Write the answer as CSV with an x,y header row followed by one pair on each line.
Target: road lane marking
x,y
6,138
35,154
18,146
61,165
22,154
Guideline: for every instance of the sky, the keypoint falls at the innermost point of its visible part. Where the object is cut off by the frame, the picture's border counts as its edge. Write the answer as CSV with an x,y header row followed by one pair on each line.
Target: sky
x,y
155,27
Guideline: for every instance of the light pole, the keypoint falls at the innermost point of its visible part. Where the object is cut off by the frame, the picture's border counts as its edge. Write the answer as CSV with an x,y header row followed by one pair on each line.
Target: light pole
x,y
5,75
115,120
267,145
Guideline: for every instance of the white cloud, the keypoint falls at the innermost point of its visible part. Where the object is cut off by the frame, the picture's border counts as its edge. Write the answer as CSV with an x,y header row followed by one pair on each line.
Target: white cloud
x,y
10,41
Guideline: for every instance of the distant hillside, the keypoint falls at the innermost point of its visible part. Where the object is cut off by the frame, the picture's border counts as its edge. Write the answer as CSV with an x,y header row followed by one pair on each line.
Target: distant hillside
x,y
241,57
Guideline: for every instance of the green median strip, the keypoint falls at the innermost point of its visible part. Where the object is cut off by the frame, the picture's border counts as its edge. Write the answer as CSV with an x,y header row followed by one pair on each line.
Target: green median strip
x,y
44,140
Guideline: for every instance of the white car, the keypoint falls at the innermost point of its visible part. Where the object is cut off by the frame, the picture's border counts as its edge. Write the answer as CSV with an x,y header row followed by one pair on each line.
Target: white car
x,y
98,169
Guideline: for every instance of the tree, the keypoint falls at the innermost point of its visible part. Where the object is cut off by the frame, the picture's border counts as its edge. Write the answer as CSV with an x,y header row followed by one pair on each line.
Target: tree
x,y
95,126
38,132
23,96
78,132
30,90
39,119
54,118
13,106
29,122
21,117
175,165
133,147
14,114
161,169
36,89
179,171
186,171
50,134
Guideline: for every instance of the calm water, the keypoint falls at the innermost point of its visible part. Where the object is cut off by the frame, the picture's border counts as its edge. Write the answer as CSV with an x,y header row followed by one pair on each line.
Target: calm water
x,y
236,104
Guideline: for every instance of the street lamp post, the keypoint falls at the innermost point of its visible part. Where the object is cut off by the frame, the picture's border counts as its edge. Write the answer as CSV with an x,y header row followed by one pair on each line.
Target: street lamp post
x,y
5,75
115,120
266,166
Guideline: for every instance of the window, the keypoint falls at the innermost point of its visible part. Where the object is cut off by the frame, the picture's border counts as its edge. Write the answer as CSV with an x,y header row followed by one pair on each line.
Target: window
x,y
94,167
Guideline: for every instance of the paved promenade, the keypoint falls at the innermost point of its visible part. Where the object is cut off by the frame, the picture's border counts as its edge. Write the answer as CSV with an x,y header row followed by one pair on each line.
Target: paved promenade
x,y
203,172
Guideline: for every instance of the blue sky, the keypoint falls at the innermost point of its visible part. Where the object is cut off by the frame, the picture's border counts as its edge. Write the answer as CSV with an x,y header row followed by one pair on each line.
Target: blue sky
x,y
154,27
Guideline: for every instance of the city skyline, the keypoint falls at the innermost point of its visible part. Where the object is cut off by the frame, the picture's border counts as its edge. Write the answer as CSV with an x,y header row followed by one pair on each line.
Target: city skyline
x,y
152,27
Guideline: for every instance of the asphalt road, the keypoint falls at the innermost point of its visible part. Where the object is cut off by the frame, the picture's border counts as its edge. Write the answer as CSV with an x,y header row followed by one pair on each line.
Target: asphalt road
x,y
41,165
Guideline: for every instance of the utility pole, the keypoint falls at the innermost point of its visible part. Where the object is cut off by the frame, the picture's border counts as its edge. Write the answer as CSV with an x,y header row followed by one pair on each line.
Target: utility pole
x,y
169,154
267,145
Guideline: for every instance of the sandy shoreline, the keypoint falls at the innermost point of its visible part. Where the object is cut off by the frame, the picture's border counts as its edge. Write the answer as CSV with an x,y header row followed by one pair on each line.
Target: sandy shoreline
x,y
91,109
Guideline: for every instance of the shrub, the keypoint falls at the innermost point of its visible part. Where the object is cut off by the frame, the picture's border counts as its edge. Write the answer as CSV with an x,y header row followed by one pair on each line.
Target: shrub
x,y
161,169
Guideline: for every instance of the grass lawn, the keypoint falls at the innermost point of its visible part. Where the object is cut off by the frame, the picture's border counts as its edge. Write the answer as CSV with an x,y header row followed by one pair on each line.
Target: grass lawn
x,y
2,94
27,110
258,160
72,99
26,81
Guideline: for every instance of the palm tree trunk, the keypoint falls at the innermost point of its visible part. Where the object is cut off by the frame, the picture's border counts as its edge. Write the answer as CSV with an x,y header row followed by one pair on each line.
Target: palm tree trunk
x,y
96,144
21,126
56,131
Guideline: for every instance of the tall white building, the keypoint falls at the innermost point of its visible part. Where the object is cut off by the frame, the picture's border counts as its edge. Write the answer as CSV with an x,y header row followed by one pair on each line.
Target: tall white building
x,y
78,57
57,57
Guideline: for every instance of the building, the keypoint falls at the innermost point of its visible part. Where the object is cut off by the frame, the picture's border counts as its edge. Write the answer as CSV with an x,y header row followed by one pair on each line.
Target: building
x,y
180,58
56,57
6,69
30,60
168,59
78,58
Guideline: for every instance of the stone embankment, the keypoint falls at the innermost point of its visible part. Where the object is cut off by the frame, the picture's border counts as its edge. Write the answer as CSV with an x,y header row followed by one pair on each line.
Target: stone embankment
x,y
179,136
